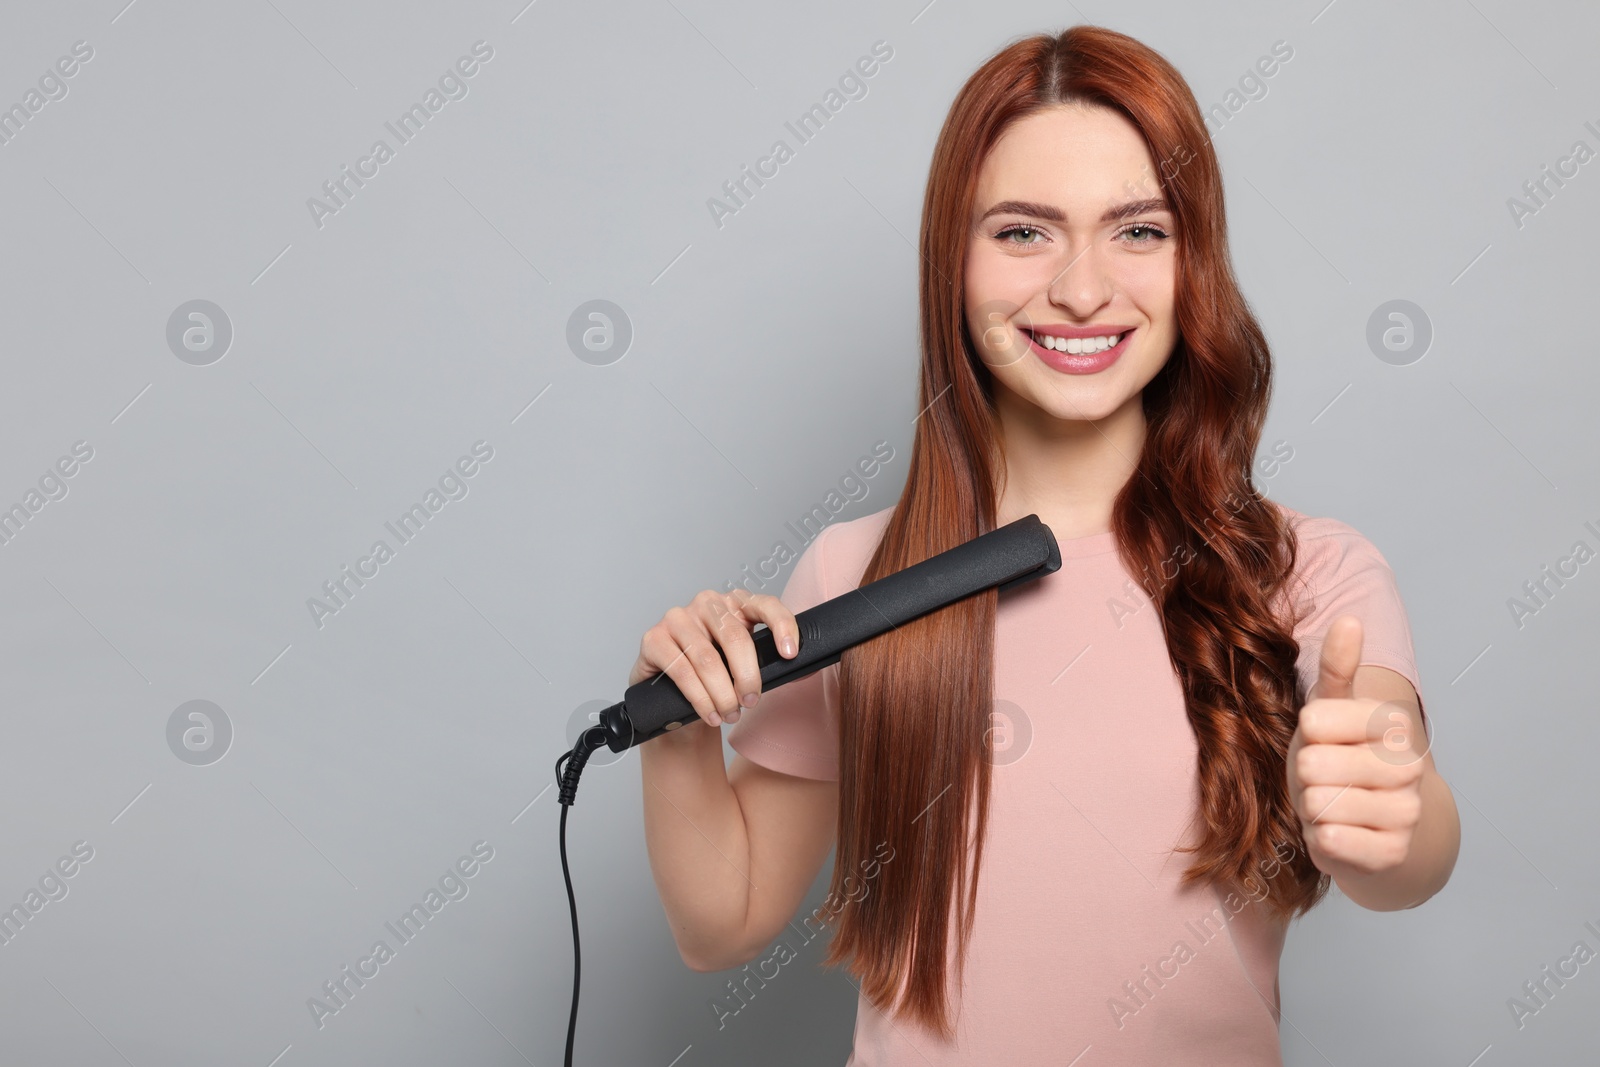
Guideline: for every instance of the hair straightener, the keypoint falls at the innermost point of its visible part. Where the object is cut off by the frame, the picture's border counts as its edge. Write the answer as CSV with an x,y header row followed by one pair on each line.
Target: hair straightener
x,y
1016,553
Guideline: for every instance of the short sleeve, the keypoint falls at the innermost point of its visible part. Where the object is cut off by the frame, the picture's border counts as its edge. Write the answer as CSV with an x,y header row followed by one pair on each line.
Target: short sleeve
x,y
1343,573
794,729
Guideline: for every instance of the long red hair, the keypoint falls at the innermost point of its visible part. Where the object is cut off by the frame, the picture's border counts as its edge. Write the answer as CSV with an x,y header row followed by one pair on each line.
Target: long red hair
x,y
908,734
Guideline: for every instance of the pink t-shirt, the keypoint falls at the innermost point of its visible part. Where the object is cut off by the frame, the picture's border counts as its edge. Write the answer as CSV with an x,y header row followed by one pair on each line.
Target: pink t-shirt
x,y
1083,939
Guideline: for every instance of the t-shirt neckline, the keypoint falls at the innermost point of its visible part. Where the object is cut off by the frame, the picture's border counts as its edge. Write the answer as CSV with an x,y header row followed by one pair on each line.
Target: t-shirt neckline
x,y
1089,545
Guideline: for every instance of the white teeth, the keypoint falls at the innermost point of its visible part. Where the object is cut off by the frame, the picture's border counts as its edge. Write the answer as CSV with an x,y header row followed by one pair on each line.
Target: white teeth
x,y
1077,345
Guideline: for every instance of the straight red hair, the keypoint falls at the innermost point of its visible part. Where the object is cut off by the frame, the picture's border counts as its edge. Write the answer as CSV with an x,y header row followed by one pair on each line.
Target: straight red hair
x,y
916,702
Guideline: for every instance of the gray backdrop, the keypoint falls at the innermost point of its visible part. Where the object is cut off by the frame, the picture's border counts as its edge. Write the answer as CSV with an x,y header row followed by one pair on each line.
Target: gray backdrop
x,y
234,456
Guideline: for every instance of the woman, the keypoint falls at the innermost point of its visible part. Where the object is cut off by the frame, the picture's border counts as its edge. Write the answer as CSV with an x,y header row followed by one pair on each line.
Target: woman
x,y
1081,816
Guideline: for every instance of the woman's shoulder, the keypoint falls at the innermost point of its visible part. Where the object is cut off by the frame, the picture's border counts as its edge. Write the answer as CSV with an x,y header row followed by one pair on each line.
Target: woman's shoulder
x,y
1334,559
1324,539
861,534
845,546
1339,571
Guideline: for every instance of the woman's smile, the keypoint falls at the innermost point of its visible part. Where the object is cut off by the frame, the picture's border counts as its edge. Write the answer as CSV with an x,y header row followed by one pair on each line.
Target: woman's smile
x,y
1078,349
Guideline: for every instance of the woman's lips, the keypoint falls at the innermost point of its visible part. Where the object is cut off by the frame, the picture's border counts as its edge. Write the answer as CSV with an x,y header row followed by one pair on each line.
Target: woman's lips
x,y
1079,363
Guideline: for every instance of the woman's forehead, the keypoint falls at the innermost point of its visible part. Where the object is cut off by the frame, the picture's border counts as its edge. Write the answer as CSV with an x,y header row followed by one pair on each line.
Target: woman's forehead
x,y
1077,158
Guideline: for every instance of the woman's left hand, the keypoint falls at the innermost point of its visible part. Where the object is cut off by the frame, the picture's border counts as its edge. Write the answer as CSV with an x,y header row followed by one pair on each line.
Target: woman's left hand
x,y
1355,778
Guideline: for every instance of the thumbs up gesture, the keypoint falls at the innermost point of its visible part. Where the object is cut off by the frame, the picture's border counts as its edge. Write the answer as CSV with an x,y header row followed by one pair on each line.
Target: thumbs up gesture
x,y
1355,766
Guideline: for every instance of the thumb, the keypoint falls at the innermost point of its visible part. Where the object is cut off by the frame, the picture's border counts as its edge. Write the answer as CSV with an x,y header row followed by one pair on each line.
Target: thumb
x,y
1341,654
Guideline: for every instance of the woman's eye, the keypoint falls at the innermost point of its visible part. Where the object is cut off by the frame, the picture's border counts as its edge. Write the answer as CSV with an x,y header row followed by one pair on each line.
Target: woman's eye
x,y
1155,231
1010,230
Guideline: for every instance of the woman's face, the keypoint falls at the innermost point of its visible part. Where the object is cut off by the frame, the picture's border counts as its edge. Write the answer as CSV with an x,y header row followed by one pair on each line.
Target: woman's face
x,y
1071,239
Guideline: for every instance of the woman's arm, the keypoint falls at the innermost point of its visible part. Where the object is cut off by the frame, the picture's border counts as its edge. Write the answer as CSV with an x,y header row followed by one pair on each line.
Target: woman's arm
x,y
733,851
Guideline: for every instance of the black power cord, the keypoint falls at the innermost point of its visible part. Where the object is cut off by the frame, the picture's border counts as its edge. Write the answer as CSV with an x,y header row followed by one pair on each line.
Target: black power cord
x,y
589,741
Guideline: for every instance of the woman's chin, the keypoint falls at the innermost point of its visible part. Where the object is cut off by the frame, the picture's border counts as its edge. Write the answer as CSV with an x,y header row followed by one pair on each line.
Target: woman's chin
x,y
1078,403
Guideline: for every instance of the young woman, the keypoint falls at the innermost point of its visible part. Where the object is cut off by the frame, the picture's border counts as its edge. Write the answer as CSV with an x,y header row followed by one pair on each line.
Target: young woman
x,y
1078,817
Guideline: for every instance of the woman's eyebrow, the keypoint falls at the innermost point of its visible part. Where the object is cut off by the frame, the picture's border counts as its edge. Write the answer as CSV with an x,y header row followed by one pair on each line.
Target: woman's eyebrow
x,y
1055,214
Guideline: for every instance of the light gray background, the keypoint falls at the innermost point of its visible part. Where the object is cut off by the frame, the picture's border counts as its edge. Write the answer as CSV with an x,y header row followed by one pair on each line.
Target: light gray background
x,y
768,355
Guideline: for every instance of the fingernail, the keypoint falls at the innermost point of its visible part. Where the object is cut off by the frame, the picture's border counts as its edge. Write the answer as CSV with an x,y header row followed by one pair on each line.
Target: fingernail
x,y
749,699
715,719
733,716
788,646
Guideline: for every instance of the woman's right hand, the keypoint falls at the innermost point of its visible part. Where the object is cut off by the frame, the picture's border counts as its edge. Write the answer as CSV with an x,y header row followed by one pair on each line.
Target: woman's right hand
x,y
681,645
